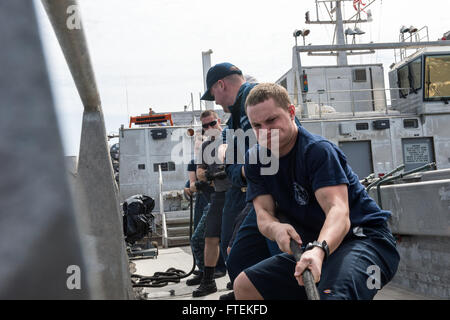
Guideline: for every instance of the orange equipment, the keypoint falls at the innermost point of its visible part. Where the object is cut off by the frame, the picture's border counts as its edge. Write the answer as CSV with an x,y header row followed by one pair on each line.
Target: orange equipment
x,y
152,118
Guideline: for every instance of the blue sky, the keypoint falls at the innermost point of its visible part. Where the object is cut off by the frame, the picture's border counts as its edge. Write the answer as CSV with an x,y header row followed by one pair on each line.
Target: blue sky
x,y
147,53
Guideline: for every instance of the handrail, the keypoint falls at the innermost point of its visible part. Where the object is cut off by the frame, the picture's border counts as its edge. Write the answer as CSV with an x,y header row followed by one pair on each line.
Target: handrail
x,y
401,175
417,38
352,90
375,183
74,47
317,94
161,210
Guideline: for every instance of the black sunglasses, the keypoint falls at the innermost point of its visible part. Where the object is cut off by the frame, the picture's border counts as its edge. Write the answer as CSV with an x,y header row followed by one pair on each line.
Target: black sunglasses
x,y
211,124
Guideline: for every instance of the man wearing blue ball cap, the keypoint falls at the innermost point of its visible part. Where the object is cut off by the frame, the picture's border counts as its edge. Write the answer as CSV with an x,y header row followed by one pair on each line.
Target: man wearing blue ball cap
x,y
227,86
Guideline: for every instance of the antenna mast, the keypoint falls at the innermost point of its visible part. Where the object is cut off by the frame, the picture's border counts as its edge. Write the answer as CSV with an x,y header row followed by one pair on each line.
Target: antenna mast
x,y
334,10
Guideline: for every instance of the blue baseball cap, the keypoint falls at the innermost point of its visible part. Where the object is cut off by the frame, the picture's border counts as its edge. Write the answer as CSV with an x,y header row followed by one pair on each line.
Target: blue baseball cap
x,y
216,73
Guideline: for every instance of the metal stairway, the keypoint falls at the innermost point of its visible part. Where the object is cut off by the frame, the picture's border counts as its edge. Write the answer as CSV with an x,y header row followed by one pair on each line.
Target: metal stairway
x,y
177,228
174,225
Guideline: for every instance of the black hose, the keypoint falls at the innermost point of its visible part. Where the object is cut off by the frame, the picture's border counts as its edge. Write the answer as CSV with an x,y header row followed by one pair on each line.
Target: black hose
x,y
161,279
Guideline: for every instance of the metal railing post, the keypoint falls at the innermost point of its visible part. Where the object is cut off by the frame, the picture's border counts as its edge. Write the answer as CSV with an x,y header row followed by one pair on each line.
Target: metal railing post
x,y
161,210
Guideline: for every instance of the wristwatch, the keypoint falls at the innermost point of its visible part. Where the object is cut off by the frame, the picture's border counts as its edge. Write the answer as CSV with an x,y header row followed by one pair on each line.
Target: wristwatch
x,y
323,245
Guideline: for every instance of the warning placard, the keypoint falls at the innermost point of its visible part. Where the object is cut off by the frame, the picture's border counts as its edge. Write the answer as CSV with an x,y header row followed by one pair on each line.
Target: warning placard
x,y
417,153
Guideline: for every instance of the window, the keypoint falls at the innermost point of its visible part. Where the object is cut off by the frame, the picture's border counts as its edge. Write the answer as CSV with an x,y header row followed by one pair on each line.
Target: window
x,y
362,126
283,83
165,166
410,78
403,81
415,70
437,77
410,123
359,75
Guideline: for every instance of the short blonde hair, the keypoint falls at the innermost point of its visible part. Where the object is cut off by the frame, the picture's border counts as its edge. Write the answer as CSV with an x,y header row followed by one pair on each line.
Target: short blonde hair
x,y
265,91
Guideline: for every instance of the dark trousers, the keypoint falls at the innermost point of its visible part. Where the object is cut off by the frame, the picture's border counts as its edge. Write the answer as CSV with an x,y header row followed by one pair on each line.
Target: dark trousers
x,y
248,237
234,204
356,270
239,220
198,244
201,201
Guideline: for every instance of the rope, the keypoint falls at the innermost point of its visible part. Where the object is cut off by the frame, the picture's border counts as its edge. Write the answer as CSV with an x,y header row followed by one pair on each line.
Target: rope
x,y
159,279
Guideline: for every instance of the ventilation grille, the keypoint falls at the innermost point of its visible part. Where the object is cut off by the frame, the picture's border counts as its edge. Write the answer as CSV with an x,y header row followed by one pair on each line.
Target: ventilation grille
x,y
410,123
362,126
359,75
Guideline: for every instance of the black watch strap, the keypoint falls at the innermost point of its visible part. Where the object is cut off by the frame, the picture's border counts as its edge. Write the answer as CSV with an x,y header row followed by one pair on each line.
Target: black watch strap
x,y
323,245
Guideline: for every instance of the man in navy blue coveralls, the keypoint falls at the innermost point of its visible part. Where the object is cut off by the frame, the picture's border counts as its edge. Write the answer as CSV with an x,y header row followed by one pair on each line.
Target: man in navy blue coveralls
x,y
228,88
323,205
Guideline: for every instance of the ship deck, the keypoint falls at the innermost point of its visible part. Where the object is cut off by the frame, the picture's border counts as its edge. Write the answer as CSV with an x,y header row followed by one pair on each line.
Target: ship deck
x,y
181,258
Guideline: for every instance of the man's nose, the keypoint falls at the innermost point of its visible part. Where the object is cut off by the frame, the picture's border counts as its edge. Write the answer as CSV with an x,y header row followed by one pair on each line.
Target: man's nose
x,y
266,127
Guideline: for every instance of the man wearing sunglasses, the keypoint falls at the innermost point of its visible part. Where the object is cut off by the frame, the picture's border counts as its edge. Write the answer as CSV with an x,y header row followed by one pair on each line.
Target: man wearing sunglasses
x,y
202,193
211,124
209,170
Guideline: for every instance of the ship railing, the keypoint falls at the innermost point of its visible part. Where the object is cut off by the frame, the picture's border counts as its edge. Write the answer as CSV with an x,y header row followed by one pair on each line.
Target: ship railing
x,y
418,36
322,101
161,210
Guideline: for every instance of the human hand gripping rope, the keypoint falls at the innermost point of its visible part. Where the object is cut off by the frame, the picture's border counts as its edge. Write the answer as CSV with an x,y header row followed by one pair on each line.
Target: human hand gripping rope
x,y
308,279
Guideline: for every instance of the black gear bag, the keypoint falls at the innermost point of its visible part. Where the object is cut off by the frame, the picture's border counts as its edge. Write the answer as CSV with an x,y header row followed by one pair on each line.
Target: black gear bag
x,y
137,217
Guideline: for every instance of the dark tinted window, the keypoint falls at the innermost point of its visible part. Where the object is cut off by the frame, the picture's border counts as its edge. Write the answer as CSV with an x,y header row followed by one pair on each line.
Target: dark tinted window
x,y
403,81
362,126
410,123
165,166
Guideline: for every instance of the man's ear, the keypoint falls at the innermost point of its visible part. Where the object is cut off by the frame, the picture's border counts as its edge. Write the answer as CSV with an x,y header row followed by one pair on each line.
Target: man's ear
x,y
291,109
221,84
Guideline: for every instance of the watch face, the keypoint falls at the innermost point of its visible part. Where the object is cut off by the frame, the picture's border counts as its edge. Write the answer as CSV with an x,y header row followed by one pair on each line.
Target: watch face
x,y
325,247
